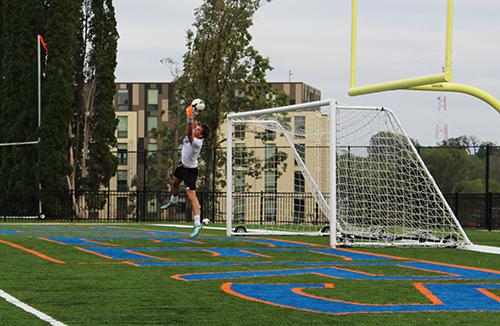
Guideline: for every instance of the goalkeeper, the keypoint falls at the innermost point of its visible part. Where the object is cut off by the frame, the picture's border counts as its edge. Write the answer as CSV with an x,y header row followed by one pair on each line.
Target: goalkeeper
x,y
187,169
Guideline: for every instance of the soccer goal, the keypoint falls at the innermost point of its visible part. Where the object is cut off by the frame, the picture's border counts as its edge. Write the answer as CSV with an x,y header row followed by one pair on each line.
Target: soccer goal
x,y
320,168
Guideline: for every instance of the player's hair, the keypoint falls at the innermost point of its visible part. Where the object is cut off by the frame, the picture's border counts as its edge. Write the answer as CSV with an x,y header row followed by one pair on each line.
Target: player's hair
x,y
206,130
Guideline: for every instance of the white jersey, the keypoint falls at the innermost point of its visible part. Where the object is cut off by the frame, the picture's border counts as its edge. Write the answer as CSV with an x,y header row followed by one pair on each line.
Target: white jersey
x,y
190,152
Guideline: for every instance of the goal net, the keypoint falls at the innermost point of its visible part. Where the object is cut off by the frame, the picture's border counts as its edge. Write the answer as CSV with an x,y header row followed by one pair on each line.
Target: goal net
x,y
283,163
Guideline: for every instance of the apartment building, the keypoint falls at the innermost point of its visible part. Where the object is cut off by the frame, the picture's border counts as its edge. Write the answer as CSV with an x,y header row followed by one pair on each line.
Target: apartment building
x,y
144,107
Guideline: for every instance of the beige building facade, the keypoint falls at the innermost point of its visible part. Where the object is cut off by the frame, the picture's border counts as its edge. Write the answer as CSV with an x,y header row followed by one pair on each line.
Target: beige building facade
x,y
142,108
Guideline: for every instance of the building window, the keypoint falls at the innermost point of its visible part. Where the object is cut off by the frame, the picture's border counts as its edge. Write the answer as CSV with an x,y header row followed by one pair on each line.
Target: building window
x,y
239,209
270,209
239,181
239,131
121,208
122,182
152,205
122,154
270,156
152,99
239,154
152,149
301,150
270,181
298,210
122,127
299,182
123,103
152,126
269,135
299,124
291,102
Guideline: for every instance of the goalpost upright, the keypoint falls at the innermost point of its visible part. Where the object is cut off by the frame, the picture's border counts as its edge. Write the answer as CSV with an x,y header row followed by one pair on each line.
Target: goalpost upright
x,y
234,117
39,41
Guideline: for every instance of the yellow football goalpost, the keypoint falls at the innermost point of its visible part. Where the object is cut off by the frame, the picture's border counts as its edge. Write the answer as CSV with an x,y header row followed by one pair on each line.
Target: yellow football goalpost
x,y
437,82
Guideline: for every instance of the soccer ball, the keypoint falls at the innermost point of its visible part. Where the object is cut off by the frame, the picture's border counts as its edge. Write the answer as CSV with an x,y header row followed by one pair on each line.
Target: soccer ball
x,y
205,221
198,104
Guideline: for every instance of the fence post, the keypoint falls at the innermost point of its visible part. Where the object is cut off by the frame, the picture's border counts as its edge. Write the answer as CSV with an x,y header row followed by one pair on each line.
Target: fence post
x,y
109,201
214,166
487,197
489,203
261,207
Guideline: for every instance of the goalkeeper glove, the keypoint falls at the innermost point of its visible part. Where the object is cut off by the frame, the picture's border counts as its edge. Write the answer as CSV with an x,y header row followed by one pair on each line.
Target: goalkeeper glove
x,y
191,113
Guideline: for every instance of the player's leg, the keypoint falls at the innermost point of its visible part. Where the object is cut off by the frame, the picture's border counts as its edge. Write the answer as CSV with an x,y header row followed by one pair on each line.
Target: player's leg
x,y
175,190
195,204
190,180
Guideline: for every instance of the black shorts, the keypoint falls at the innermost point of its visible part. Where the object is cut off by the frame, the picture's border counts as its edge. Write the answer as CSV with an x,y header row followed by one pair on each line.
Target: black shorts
x,y
188,175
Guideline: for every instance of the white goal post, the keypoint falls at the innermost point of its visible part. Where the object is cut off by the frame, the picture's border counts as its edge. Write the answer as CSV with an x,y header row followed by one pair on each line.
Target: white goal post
x,y
320,168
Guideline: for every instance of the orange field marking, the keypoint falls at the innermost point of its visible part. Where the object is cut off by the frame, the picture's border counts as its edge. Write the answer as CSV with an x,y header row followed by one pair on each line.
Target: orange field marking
x,y
435,300
428,270
146,255
92,252
33,252
489,294
419,286
54,241
98,242
255,253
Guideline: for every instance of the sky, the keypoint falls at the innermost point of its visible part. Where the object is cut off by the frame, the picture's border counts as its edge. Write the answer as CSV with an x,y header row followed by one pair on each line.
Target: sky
x,y
311,39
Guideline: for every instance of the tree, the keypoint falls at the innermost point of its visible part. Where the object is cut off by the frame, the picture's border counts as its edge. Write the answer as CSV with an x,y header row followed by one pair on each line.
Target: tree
x,y
20,21
222,67
92,129
95,122
63,23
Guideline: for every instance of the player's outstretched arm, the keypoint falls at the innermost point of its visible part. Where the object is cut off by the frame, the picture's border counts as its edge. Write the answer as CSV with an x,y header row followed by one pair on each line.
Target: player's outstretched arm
x,y
192,122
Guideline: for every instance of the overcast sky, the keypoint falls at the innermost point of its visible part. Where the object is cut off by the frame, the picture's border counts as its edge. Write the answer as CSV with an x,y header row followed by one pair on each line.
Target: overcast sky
x,y
311,38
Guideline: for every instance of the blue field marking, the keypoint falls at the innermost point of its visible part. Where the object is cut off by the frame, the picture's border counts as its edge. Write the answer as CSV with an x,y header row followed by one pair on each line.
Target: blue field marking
x,y
278,243
252,263
350,254
460,273
75,241
122,253
10,232
173,240
138,232
447,297
254,252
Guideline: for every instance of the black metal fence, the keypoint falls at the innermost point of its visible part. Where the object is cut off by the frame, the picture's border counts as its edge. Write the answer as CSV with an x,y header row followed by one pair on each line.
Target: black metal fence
x,y
477,210
468,176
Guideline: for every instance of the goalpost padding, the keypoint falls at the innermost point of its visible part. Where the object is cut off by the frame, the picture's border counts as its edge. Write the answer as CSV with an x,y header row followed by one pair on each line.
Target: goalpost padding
x,y
282,164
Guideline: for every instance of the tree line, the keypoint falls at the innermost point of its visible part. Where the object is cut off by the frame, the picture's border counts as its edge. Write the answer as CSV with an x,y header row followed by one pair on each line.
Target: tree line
x,y
459,164
78,84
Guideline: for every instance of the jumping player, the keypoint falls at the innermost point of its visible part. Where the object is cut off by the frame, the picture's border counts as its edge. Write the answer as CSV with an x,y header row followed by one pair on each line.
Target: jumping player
x,y
187,170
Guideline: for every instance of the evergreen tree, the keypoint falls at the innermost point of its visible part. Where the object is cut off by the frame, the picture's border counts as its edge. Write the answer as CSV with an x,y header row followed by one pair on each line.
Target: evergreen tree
x,y
20,23
94,129
63,18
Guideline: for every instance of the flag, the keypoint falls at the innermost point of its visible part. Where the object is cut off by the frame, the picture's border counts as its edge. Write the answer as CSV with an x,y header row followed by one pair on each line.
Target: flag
x,y
43,43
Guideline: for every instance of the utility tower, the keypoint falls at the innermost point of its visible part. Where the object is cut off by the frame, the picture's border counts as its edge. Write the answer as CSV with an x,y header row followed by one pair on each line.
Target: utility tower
x,y
442,122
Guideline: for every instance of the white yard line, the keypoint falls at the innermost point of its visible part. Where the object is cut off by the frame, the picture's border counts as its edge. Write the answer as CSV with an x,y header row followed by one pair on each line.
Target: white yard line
x,y
30,309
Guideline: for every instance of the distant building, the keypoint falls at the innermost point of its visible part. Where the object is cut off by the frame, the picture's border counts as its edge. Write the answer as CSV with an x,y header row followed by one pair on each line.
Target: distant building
x,y
143,107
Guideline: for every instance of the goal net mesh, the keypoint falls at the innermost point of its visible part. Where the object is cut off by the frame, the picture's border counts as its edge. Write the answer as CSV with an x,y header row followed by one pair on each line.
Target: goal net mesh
x,y
385,194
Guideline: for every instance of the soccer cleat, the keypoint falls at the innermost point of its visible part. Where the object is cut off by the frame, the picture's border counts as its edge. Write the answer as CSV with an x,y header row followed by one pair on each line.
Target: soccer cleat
x,y
168,205
196,230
